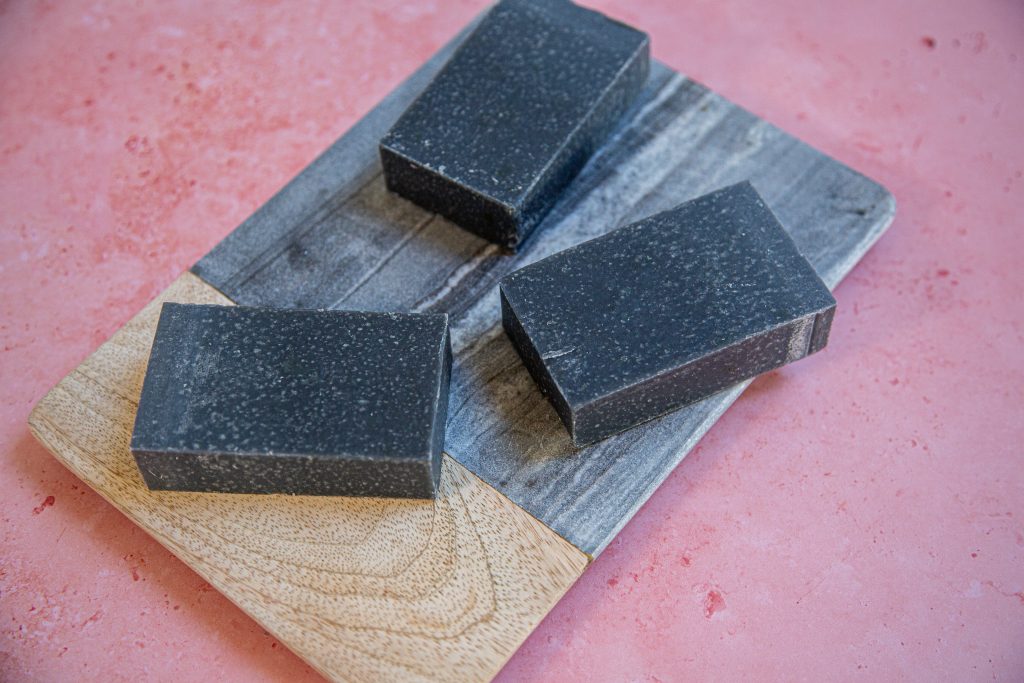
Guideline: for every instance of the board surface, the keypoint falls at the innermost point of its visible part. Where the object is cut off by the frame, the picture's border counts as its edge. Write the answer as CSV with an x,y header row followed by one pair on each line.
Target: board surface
x,y
404,590
336,238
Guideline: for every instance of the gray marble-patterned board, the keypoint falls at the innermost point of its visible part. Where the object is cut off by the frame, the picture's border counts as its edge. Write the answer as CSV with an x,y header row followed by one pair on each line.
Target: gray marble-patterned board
x,y
335,238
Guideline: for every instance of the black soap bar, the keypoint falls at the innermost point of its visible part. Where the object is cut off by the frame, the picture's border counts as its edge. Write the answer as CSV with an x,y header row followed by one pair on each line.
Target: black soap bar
x,y
664,312
514,115
250,400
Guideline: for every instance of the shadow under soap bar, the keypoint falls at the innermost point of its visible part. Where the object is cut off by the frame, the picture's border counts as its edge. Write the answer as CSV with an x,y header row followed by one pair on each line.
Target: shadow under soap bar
x,y
514,115
665,312
250,400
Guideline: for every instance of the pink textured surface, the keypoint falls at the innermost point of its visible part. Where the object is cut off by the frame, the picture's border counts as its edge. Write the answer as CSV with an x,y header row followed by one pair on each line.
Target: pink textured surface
x,y
857,516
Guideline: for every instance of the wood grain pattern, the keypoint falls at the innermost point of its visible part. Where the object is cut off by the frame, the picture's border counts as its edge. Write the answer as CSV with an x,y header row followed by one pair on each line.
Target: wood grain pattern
x,y
351,244
363,589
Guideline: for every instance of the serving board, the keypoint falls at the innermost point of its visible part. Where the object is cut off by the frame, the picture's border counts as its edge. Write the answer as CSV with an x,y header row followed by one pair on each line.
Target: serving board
x,y
375,589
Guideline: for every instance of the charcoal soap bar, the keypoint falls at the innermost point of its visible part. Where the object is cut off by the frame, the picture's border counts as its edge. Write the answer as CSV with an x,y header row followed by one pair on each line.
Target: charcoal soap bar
x,y
250,400
664,312
514,115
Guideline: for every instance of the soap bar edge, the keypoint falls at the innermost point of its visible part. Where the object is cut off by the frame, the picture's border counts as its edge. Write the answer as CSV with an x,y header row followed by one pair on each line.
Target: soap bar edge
x,y
440,421
533,362
586,411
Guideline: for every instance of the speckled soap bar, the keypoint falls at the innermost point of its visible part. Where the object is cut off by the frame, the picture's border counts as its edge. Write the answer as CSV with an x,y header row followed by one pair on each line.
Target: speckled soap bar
x,y
664,312
514,115
250,400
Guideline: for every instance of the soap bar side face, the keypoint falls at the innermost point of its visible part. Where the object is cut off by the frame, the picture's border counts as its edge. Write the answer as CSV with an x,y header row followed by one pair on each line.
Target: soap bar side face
x,y
533,361
592,132
692,382
514,115
286,474
312,402
618,319
442,384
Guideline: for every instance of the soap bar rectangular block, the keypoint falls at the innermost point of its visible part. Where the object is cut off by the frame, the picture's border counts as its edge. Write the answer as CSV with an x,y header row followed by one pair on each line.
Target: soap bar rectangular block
x,y
250,400
665,312
514,115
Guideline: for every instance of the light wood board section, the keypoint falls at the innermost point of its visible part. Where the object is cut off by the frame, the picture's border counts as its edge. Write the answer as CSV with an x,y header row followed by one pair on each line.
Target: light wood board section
x,y
334,237
362,589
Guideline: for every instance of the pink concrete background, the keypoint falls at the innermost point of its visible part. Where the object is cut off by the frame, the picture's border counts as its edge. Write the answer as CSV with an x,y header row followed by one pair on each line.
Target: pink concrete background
x,y
859,516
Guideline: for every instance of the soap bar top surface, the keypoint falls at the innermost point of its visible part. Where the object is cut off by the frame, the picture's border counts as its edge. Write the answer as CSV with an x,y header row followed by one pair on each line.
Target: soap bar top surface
x,y
233,380
663,292
520,91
